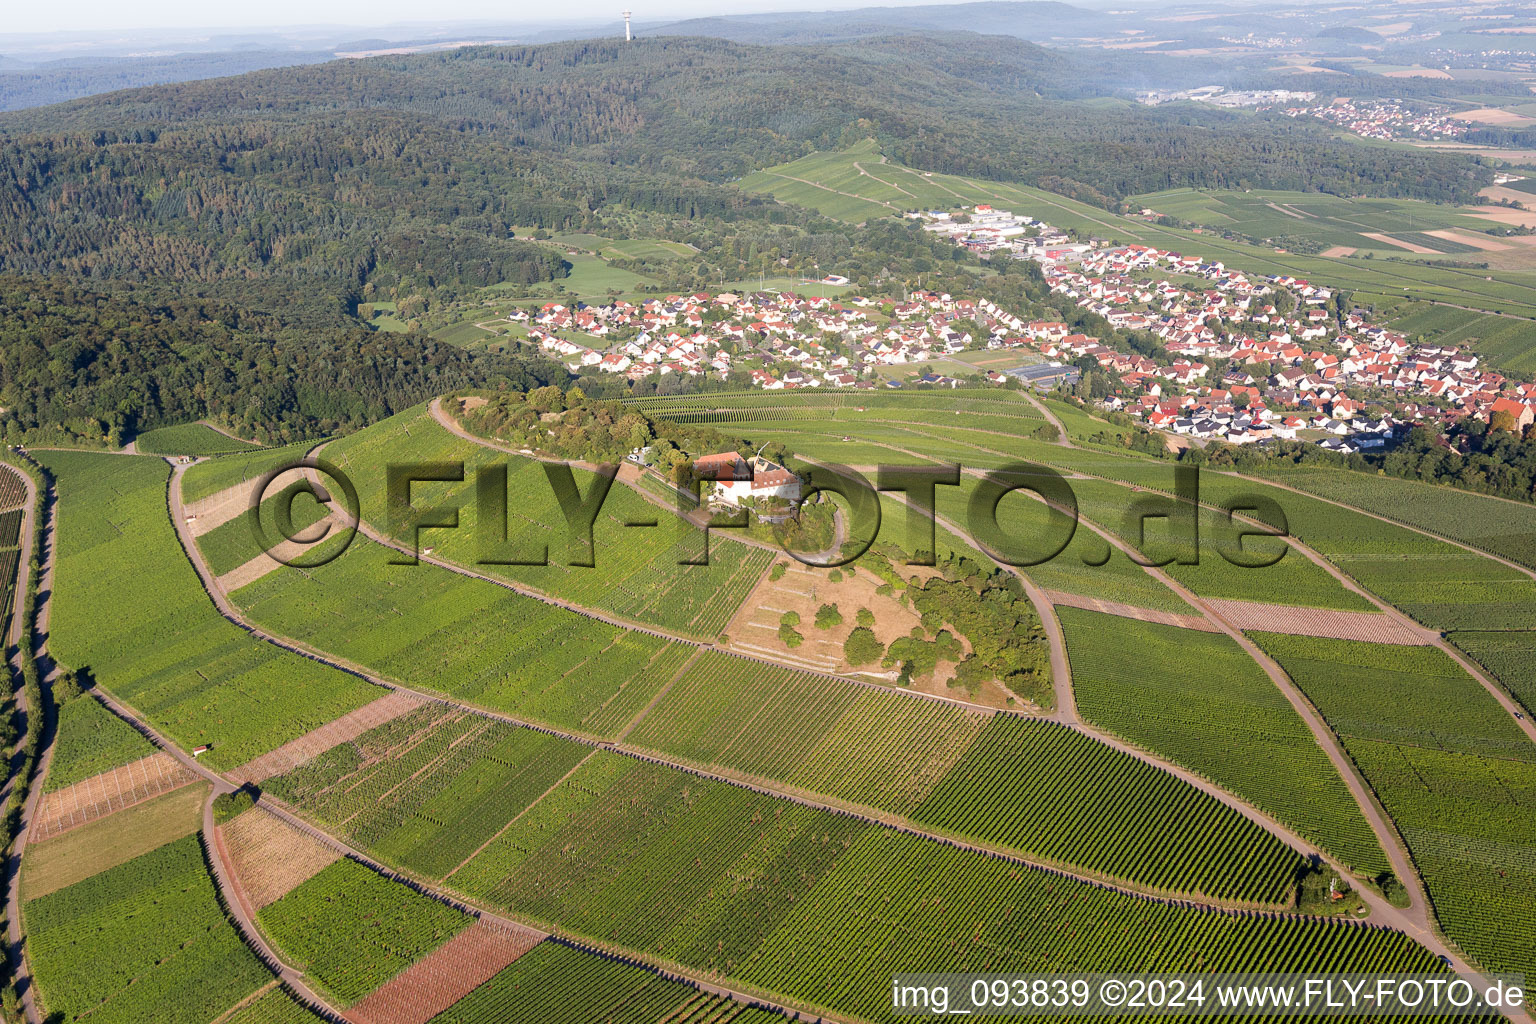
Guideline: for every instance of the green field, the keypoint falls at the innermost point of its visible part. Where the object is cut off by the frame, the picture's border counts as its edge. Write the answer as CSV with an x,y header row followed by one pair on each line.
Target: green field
x,y
396,790
350,929
145,941
1321,219
189,439
163,649
274,1007
637,571
432,628
556,984
230,545
1200,701
90,740
1451,768
215,475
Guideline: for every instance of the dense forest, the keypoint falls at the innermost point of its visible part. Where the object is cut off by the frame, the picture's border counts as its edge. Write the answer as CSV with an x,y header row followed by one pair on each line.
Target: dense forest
x,y
98,366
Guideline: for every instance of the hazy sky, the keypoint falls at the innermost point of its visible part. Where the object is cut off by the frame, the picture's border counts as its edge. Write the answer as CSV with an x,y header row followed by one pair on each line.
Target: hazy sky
x,y
96,15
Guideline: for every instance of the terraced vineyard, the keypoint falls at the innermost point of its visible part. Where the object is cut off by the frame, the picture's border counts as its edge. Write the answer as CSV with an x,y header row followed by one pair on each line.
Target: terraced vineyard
x,y
1452,769
164,649
214,475
638,574
159,949
1200,701
433,628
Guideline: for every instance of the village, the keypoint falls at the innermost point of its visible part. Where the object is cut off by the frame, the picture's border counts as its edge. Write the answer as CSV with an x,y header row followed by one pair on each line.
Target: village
x,y
1255,358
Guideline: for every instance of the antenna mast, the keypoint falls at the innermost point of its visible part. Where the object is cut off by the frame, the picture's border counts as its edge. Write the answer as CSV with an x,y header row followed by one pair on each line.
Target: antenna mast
x,y
626,26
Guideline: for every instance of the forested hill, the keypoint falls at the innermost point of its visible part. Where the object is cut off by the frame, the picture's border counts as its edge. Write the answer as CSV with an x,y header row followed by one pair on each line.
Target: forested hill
x,y
83,365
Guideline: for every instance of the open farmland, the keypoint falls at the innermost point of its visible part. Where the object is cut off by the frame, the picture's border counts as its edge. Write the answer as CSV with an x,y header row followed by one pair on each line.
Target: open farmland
x,y
637,572
1453,770
165,650
160,948
90,740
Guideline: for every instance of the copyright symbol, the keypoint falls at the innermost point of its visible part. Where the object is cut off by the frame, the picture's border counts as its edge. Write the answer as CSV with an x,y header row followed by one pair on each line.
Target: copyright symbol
x,y
1112,992
299,546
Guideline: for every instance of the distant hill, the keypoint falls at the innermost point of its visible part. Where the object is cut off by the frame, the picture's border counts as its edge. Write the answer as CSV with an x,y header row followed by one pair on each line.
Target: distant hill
x,y
37,85
1035,20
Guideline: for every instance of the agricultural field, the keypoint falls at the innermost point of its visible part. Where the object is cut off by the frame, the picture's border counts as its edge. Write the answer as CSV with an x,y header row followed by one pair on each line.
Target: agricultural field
x,y
189,439
734,910
1497,525
1324,220
1094,784
117,838
556,984
165,650
856,743
90,739
428,789
1200,701
1452,769
275,1006
232,544
144,942
432,628
350,929
214,475
637,569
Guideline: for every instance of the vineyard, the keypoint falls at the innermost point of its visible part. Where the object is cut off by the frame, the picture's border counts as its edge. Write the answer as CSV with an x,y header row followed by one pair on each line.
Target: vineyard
x,y
556,984
145,941
209,478
1200,701
890,905
1451,768
856,743
637,570
232,544
1503,527
351,929
432,628
164,649
188,439
13,489
1070,799
429,788
89,740
274,1007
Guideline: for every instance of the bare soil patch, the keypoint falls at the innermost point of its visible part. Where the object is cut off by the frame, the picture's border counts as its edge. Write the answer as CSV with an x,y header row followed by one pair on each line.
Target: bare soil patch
x,y
1398,243
1370,627
1504,215
317,741
208,513
1339,250
1183,620
1473,239
269,858
444,976
1417,73
101,795
1493,115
